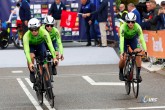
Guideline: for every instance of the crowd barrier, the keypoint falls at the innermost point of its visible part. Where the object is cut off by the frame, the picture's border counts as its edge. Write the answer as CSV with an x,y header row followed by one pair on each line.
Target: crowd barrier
x,y
155,41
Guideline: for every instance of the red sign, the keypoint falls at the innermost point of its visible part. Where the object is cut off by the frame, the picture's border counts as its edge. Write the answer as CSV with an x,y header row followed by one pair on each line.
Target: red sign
x,y
68,19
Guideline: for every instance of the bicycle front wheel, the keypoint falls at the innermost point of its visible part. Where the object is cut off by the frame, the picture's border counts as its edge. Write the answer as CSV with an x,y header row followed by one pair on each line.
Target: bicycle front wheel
x,y
127,82
49,91
38,86
135,83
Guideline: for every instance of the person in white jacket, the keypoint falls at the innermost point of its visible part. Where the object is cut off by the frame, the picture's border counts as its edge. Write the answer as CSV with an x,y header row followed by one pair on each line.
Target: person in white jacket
x,y
16,12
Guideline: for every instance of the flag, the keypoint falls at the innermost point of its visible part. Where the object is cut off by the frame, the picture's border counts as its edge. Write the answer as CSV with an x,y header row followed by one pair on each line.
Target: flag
x,y
68,19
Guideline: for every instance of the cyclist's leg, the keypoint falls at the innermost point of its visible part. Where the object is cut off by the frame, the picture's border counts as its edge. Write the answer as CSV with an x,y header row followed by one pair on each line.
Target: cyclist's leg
x,y
122,61
136,47
32,55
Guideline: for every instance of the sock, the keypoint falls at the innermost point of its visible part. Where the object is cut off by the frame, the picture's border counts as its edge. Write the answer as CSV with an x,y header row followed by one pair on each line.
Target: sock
x,y
31,72
138,70
121,70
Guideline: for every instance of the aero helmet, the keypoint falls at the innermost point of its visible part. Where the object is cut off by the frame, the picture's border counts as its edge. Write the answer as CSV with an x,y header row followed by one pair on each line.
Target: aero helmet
x,y
34,23
130,17
49,20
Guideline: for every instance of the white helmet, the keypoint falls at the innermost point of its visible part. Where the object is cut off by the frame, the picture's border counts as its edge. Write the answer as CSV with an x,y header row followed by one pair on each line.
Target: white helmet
x,y
34,23
130,17
49,20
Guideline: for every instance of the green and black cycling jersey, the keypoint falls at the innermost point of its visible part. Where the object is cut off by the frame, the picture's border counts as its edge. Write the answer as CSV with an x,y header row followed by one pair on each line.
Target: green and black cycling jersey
x,y
127,34
55,35
29,39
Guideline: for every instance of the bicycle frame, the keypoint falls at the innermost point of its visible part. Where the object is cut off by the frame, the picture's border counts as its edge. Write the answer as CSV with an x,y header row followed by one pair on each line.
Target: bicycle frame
x,y
42,84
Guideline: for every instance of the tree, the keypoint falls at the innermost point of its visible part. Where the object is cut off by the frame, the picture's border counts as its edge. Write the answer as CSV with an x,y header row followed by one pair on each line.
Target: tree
x,y
117,3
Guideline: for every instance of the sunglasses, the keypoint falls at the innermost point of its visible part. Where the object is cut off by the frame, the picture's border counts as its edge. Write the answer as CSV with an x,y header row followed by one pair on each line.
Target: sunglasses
x,y
48,25
34,29
131,22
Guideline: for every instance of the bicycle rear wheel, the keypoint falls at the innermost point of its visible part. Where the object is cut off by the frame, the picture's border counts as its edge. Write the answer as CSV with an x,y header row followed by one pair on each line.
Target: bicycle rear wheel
x,y
135,83
127,82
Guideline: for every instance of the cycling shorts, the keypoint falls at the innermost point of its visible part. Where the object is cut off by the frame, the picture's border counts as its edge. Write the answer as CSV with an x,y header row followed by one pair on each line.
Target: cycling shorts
x,y
38,50
133,43
54,45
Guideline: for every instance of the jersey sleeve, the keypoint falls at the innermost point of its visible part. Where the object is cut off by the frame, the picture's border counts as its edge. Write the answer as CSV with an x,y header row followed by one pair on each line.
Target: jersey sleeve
x,y
141,37
59,42
26,47
49,42
121,34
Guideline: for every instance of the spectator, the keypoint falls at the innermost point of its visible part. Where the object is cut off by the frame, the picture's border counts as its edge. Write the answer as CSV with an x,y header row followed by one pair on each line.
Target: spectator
x,y
146,25
56,10
161,15
131,8
122,12
154,12
15,11
88,7
25,14
102,13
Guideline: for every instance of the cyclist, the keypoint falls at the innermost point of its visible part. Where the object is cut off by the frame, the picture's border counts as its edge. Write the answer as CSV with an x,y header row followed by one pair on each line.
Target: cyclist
x,y
34,44
49,22
130,34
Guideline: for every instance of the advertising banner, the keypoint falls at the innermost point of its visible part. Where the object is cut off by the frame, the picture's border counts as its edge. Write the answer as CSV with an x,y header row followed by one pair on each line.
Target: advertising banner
x,y
39,9
154,41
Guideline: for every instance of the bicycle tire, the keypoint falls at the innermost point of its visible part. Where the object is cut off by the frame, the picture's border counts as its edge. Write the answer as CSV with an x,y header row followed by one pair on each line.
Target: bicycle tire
x,y
50,71
127,82
49,90
54,70
4,44
38,89
135,83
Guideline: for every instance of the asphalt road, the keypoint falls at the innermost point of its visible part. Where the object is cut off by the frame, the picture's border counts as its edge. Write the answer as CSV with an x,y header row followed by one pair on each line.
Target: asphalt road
x,y
74,91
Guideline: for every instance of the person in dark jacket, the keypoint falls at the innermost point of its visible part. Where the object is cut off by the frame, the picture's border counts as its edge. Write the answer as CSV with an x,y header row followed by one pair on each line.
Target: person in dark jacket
x,y
56,10
88,7
102,13
131,8
25,14
161,16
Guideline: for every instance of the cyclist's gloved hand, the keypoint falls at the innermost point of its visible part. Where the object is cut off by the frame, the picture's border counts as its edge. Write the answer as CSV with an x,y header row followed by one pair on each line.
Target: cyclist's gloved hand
x,y
62,57
146,54
57,54
55,61
31,67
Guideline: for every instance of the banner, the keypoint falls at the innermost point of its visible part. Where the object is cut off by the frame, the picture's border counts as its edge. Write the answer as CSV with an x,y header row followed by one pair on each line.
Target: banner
x,y
154,41
68,19
39,9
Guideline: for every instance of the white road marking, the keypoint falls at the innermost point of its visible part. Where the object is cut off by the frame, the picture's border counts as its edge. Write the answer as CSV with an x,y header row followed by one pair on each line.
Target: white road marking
x,y
32,99
151,107
92,82
18,71
130,108
45,101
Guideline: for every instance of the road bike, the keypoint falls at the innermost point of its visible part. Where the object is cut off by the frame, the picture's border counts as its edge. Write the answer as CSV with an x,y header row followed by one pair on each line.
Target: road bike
x,y
43,83
10,35
130,72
